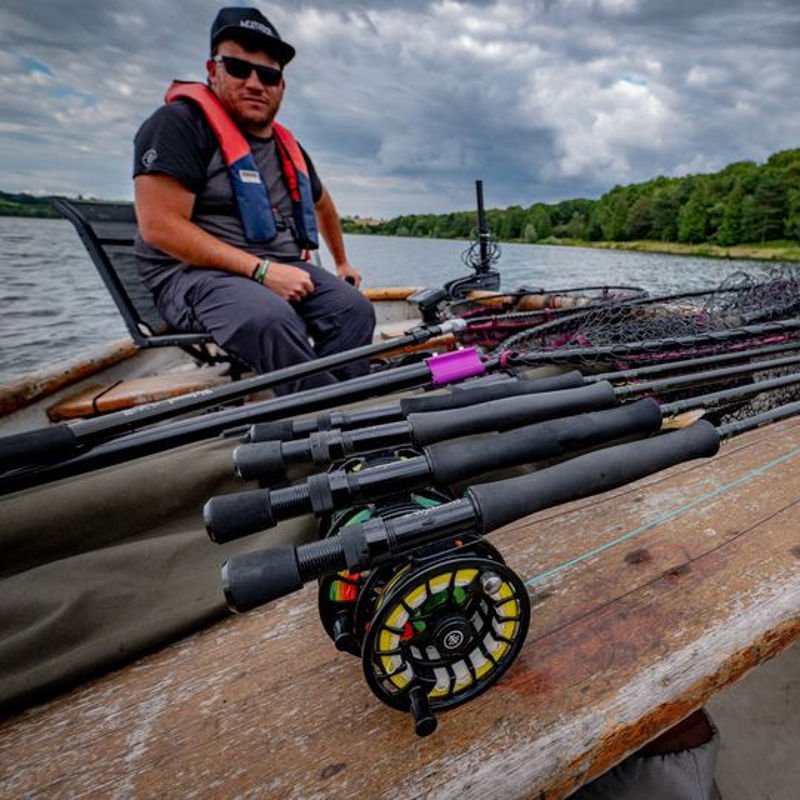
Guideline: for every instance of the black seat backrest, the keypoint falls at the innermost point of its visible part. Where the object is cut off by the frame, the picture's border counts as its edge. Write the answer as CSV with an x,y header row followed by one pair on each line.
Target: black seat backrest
x,y
107,231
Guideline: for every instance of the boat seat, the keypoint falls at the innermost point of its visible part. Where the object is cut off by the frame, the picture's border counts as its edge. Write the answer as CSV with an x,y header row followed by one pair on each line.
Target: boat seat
x,y
108,230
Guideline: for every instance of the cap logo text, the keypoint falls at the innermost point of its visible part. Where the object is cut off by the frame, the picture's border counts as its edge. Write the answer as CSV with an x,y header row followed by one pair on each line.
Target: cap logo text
x,y
257,26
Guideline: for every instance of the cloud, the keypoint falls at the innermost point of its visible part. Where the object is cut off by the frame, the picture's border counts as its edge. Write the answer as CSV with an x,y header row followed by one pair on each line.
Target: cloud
x,y
403,104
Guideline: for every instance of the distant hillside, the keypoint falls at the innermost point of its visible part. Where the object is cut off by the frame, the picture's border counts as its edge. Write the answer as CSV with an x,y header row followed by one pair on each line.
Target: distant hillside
x,y
25,205
743,203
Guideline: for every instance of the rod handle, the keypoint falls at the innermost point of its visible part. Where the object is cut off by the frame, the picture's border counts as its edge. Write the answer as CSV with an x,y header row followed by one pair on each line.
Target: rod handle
x,y
464,458
231,516
39,447
502,502
280,431
466,396
261,460
252,579
502,415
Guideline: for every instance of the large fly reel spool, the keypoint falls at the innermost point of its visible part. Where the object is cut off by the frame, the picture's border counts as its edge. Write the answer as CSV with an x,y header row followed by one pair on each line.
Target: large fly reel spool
x,y
433,628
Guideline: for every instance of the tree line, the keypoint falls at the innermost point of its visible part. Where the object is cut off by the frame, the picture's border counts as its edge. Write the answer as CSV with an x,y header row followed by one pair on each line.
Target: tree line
x,y
743,203
25,205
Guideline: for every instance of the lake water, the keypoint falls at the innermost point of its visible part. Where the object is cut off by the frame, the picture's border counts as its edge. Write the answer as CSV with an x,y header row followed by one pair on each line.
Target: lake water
x,y
54,305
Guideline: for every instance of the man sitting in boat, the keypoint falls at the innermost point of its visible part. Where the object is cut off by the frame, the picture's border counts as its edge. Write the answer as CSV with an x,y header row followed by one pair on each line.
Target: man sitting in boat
x,y
228,205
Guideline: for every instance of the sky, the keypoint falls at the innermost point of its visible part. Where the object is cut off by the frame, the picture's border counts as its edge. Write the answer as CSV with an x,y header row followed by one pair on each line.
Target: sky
x,y
403,104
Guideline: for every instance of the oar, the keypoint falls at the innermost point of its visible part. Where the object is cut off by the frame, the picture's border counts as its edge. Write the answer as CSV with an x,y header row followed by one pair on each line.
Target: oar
x,y
439,369
56,443
231,516
256,578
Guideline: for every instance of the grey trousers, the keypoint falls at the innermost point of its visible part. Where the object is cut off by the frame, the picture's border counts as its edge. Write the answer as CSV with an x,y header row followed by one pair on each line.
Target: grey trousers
x,y
687,775
263,330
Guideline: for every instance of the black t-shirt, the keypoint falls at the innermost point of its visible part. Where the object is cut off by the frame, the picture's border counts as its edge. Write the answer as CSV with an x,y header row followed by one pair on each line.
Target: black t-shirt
x,y
176,140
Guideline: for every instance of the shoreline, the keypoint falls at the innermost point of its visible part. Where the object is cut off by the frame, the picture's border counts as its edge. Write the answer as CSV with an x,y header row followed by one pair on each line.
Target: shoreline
x,y
751,252
783,250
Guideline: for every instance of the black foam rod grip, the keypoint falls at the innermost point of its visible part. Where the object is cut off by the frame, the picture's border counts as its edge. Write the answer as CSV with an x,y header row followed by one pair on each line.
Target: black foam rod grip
x,y
252,579
231,516
461,459
501,415
259,460
491,391
280,431
39,447
502,502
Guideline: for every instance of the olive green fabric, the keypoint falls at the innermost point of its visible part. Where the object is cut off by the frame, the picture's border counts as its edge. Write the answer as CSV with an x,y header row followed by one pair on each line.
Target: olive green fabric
x,y
98,569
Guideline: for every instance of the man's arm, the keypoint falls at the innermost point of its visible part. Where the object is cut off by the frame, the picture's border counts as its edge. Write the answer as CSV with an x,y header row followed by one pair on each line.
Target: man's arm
x,y
331,230
164,209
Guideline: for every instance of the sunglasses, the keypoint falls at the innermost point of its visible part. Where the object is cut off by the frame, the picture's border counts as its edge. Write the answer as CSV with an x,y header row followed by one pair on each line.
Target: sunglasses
x,y
241,69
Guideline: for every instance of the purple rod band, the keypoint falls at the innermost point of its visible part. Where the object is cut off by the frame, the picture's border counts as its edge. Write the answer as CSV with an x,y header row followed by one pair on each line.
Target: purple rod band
x,y
455,366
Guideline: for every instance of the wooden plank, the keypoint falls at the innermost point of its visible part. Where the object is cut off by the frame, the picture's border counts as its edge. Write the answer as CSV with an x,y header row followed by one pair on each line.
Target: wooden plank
x,y
125,394
646,601
389,293
36,385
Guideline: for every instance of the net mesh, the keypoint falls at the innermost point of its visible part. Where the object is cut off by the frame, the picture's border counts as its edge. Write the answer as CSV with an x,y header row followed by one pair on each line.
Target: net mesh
x,y
741,300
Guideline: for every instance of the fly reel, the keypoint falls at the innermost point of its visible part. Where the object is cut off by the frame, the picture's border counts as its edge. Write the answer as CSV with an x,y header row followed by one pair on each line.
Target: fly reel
x,y
433,628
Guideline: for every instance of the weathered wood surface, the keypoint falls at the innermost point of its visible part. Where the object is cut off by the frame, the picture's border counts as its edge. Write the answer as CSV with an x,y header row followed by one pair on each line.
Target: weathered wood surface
x,y
645,602
102,399
20,393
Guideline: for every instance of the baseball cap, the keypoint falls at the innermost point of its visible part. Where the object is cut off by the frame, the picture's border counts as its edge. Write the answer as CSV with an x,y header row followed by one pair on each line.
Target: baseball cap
x,y
251,28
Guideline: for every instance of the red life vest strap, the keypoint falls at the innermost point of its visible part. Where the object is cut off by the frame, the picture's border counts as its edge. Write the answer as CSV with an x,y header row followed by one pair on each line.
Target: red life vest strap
x,y
230,138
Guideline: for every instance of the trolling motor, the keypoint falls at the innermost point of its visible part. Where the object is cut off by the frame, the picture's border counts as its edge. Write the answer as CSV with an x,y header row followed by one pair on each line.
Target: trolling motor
x,y
479,257
488,253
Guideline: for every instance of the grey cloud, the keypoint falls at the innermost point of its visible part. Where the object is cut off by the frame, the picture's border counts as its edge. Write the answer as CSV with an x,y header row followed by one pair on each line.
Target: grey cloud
x,y
402,105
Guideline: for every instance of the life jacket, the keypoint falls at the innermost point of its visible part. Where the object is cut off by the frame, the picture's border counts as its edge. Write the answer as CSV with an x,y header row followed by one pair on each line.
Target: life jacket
x,y
252,196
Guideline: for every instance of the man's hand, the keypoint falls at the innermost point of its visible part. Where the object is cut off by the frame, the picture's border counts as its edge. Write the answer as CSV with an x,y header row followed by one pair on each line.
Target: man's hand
x,y
290,283
345,271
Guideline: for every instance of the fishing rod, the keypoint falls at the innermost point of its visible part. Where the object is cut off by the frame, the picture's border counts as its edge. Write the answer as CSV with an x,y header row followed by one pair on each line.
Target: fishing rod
x,y
439,370
269,460
290,429
717,358
461,395
235,515
650,347
232,516
726,395
56,443
174,434
433,611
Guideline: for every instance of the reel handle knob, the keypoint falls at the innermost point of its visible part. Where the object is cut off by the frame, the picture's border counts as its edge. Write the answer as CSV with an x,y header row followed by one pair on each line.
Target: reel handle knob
x,y
343,638
424,721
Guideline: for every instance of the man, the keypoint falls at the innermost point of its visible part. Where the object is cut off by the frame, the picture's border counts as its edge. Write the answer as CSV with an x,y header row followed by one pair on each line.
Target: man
x,y
228,204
